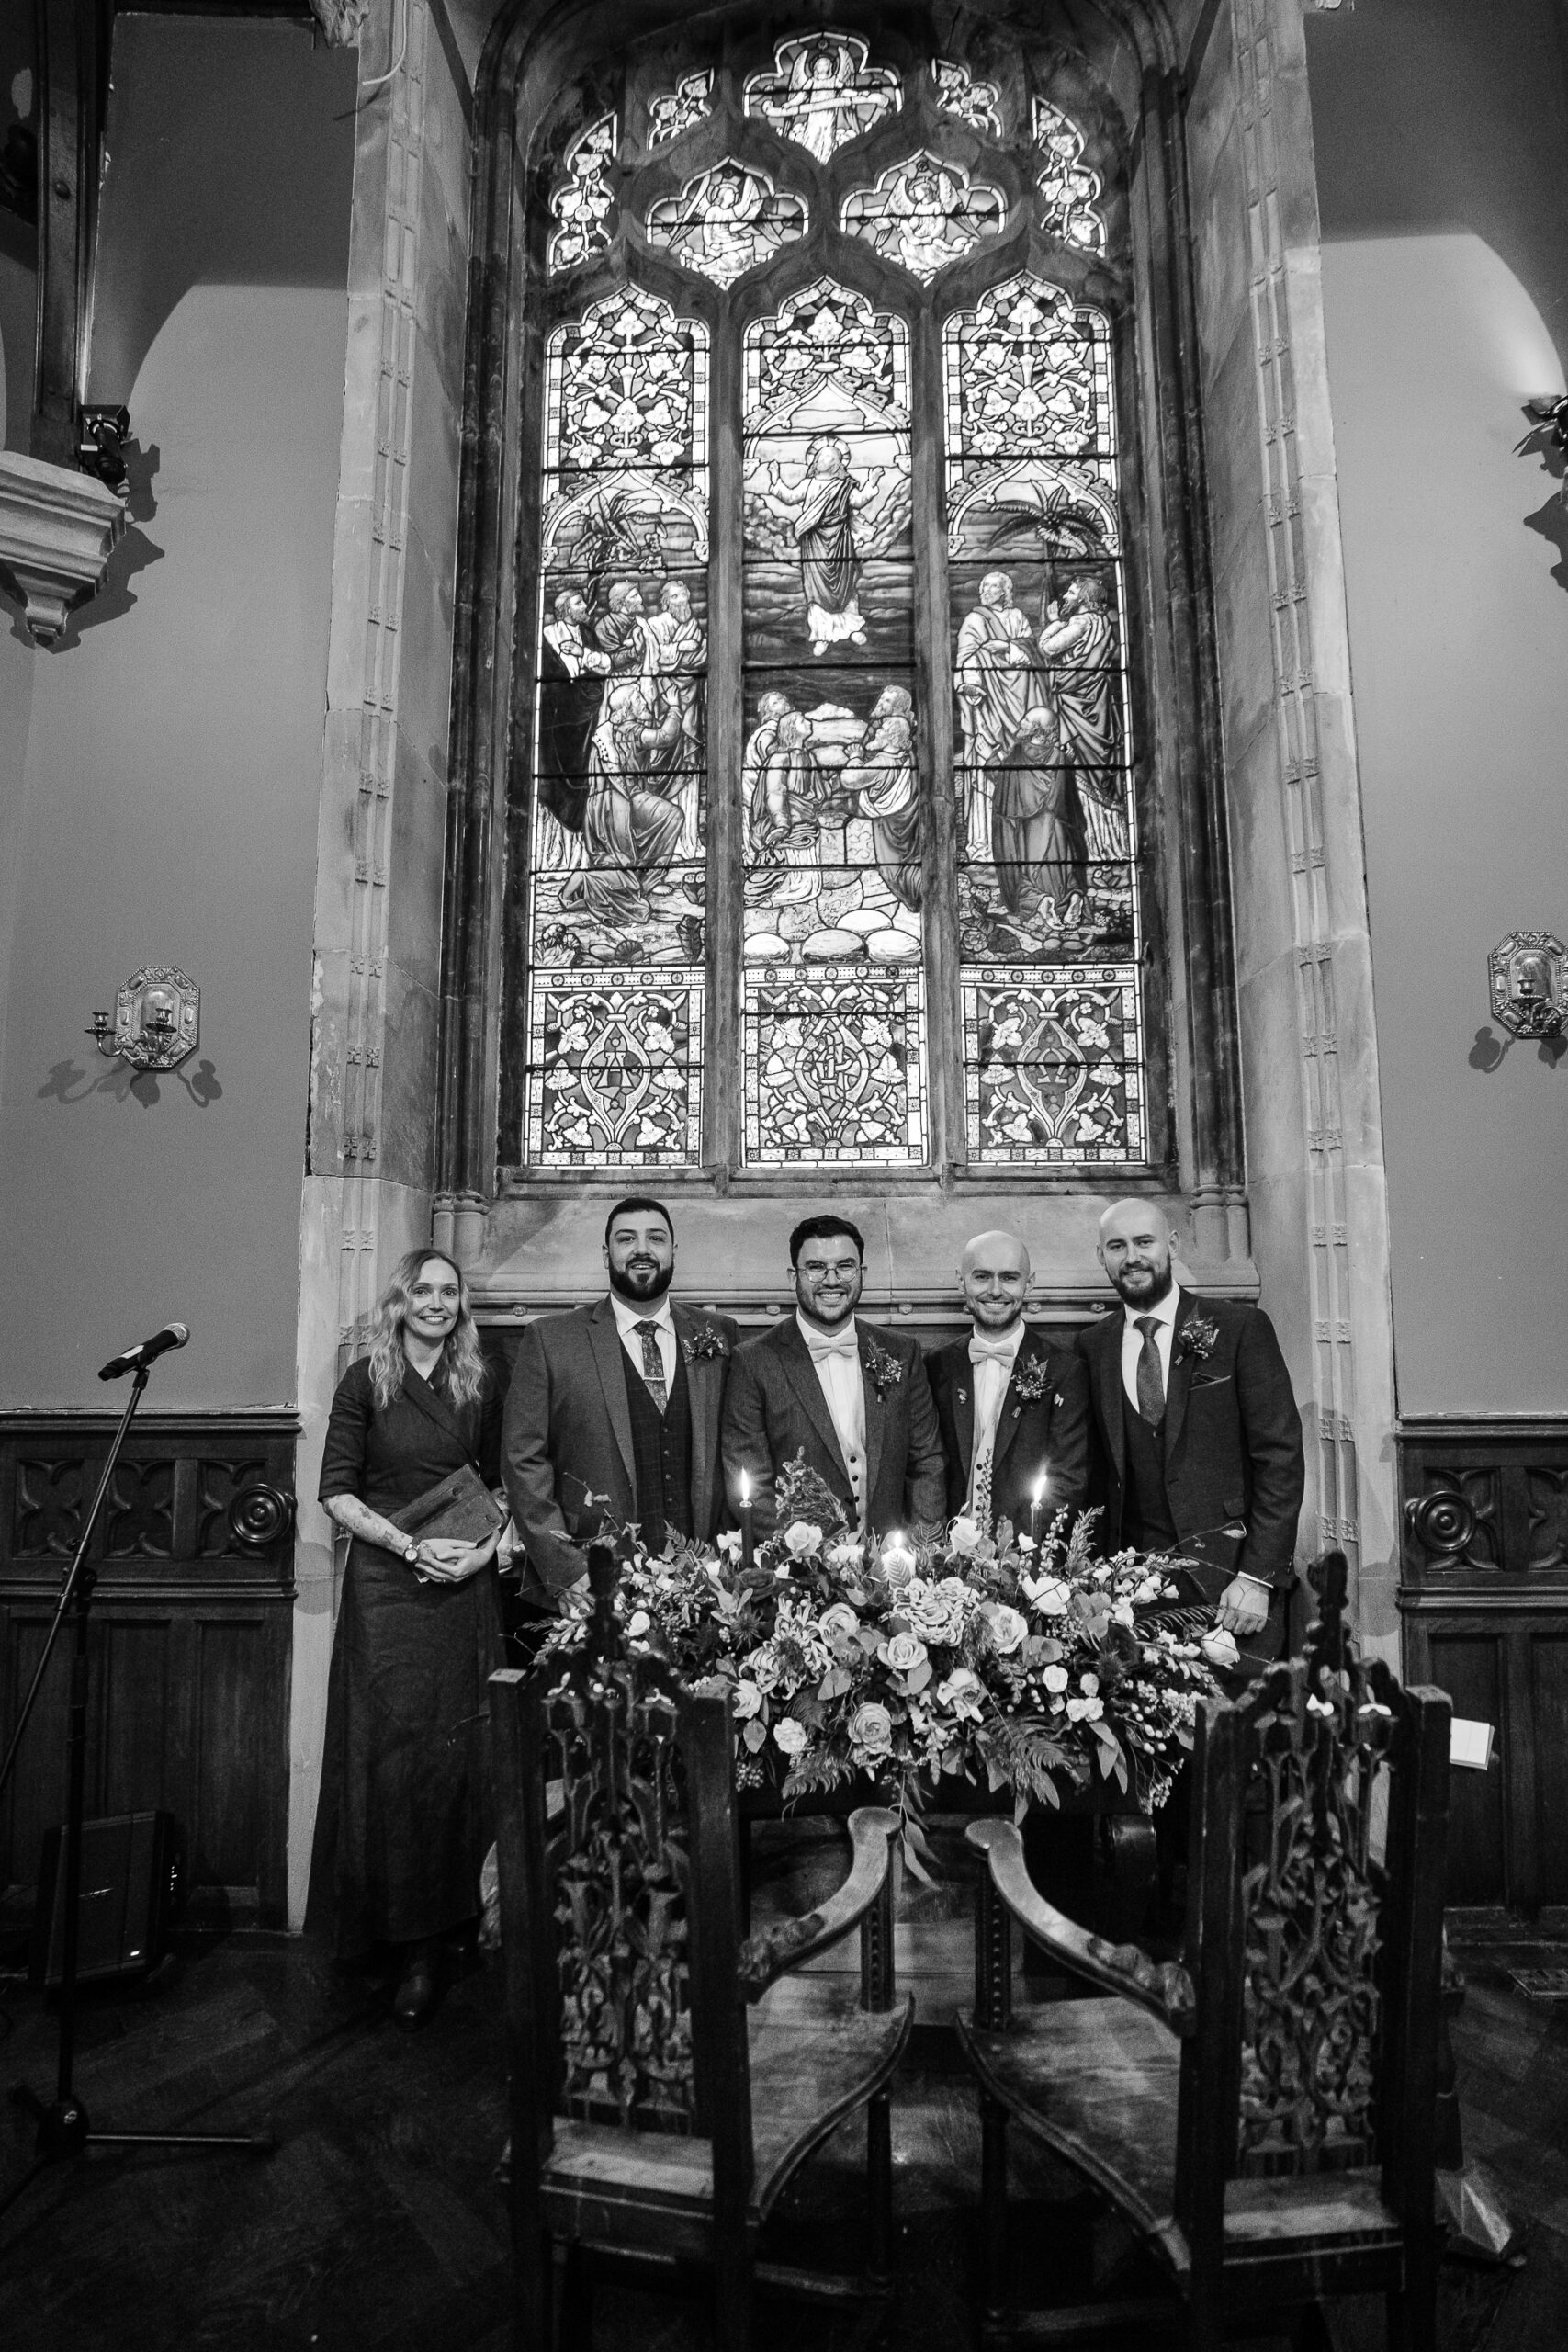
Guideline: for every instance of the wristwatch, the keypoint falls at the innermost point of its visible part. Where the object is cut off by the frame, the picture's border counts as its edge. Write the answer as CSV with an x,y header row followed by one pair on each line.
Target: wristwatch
x,y
412,1555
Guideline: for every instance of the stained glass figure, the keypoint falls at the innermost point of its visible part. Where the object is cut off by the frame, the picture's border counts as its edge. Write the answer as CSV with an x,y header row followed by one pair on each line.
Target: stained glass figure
x,y
1070,191
977,105
924,214
726,221
822,92
1051,1068
1043,768
581,204
680,109
826,472
619,827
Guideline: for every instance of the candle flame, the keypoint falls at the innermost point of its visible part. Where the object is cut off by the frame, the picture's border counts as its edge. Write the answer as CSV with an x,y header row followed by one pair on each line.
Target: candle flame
x,y
1040,1486
745,1489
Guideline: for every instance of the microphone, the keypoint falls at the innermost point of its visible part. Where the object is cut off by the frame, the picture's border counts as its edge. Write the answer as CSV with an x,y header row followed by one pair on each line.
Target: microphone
x,y
172,1335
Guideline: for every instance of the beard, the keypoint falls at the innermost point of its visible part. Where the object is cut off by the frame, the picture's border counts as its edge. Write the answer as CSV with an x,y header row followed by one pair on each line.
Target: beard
x,y
642,1283
1159,1286
997,1318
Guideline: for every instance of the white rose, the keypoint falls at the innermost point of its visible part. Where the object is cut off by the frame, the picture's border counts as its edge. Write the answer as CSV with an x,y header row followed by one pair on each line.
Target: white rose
x,y
848,1555
1010,1627
840,1620
748,1698
802,1539
637,1624
903,1653
1219,1648
1055,1678
1050,1595
965,1535
791,1736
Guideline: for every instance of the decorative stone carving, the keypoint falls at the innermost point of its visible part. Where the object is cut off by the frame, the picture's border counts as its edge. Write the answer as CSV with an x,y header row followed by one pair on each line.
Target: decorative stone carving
x,y
342,21
58,529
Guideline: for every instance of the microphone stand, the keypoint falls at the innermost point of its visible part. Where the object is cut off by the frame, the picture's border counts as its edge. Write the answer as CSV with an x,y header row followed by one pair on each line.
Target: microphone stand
x,y
65,2130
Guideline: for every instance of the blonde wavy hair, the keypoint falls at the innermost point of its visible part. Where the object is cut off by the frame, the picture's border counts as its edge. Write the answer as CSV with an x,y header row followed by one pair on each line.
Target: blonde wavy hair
x,y
461,1356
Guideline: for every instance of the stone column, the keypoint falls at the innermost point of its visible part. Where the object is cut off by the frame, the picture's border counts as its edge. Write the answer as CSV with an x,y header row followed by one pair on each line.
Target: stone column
x,y
1315,1178
382,827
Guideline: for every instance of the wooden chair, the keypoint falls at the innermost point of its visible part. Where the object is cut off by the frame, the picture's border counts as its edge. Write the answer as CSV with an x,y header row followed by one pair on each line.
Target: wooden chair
x,y
668,2075
1262,2116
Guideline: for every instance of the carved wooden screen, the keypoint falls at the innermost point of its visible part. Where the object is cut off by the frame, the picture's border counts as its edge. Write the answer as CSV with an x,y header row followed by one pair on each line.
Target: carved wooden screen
x,y
833,857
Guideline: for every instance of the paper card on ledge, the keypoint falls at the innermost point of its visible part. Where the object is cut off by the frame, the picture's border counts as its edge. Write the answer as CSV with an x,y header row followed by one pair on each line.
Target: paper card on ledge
x,y
1469,1744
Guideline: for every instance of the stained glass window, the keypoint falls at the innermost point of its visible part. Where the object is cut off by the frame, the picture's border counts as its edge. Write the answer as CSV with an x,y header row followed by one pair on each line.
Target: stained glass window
x,y
832,1026
852,953
1048,910
617,865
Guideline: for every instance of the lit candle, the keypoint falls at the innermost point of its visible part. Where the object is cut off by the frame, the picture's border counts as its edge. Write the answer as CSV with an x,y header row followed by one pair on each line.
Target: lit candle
x,y
747,1533
898,1559
1034,1502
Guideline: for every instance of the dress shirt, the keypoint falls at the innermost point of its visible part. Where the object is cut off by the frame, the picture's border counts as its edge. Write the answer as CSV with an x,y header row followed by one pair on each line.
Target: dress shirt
x,y
840,1376
992,1374
1165,1315
628,1314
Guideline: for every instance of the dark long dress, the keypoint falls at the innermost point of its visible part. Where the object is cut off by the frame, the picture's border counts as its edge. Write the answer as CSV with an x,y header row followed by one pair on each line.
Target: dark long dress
x,y
404,1820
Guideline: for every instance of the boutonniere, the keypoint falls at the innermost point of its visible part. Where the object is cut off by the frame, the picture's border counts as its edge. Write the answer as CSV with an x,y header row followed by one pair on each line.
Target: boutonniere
x,y
882,1370
704,1345
1197,1339
1031,1379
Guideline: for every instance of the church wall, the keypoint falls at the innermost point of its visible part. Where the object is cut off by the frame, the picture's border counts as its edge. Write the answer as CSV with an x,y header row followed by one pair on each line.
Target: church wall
x,y
1440,133
160,792
1309,1051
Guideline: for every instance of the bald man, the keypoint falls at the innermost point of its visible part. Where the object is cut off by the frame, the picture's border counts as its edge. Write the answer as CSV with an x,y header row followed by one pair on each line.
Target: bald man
x,y
1012,1409
1199,1430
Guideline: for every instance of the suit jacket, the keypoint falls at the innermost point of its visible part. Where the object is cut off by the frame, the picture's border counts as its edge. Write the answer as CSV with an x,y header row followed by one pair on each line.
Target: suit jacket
x,y
566,1440
1049,1433
1233,1442
775,1406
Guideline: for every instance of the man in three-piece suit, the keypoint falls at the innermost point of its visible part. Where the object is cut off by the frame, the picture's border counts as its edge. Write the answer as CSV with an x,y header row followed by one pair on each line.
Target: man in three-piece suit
x,y
1013,1410
1199,1432
854,1396
613,1411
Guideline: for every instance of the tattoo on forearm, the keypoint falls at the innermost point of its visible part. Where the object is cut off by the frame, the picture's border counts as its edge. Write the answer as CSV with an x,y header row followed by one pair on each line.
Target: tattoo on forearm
x,y
368,1525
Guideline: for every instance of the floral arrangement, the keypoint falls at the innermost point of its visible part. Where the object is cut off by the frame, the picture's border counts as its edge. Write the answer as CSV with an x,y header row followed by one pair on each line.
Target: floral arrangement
x,y
704,1346
915,1659
1198,1338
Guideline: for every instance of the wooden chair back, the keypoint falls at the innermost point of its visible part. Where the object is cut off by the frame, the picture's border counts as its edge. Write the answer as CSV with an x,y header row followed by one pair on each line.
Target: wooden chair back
x,y
621,1918
1314,1941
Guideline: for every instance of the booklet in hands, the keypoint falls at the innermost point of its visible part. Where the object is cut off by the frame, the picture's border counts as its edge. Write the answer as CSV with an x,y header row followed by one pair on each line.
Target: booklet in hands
x,y
461,1509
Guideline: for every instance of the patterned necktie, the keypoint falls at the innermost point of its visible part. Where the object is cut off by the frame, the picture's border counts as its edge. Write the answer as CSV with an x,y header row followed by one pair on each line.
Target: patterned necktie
x,y
653,1363
982,1352
1151,1380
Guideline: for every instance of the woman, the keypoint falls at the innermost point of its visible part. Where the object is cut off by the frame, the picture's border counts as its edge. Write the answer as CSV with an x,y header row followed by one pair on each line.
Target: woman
x,y
404,1818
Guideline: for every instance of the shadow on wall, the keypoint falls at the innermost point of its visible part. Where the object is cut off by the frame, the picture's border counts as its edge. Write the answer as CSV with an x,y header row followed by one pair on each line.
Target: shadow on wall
x,y
155,243
1550,520
69,1082
1486,1054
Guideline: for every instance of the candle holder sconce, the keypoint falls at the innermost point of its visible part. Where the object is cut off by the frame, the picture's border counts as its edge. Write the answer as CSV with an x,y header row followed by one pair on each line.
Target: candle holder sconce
x,y
156,1019
1528,977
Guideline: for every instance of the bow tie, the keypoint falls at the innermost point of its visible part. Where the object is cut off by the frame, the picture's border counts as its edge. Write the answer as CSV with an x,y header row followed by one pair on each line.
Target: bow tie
x,y
833,1343
992,1351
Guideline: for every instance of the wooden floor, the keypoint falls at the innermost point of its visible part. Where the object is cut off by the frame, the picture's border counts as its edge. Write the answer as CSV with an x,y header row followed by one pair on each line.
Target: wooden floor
x,y
379,2222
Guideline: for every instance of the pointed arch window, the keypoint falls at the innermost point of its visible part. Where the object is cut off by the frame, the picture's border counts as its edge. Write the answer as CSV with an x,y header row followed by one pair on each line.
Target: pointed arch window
x,y
832,853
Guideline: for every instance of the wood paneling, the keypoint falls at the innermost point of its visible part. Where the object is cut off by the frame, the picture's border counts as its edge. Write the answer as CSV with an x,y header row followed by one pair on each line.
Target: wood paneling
x,y
1483,1600
189,1646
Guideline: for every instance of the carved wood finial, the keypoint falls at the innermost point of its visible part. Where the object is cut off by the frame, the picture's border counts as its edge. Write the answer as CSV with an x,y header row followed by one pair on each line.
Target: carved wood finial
x,y
603,1633
1327,1636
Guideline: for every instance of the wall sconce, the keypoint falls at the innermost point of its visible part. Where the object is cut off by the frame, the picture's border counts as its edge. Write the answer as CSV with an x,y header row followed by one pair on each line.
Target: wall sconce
x,y
157,1016
1527,975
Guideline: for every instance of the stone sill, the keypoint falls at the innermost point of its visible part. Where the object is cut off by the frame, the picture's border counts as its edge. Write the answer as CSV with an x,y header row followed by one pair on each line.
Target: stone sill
x,y
58,529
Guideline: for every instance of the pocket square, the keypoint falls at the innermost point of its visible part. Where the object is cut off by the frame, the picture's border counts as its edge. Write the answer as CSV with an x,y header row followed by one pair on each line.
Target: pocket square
x,y
1211,1380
